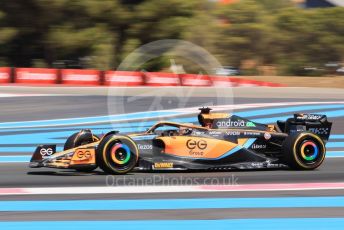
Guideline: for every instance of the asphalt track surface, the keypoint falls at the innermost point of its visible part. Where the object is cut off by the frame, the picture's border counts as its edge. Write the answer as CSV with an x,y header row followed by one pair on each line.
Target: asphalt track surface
x,y
68,104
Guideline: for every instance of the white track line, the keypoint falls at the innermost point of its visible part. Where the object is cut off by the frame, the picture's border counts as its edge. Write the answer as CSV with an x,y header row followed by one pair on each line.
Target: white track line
x,y
172,189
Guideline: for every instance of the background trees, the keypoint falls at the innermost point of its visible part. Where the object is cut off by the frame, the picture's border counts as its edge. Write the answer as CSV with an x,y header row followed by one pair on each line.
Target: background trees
x,y
99,34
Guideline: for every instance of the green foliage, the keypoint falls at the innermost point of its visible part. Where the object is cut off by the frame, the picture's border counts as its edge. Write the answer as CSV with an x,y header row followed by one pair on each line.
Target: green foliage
x,y
262,32
273,32
6,34
101,31
314,36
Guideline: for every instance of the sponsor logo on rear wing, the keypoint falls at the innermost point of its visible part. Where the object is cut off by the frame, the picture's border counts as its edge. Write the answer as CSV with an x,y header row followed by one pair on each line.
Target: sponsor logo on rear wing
x,y
309,117
315,123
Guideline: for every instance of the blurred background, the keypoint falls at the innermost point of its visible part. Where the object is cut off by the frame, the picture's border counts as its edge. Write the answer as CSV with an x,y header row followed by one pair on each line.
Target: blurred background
x,y
248,37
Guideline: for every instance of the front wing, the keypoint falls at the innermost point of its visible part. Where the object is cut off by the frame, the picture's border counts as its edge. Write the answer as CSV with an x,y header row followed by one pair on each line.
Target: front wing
x,y
46,156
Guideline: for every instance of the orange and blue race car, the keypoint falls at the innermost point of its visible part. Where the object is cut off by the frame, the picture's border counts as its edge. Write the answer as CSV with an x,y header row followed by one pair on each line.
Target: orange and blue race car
x,y
221,141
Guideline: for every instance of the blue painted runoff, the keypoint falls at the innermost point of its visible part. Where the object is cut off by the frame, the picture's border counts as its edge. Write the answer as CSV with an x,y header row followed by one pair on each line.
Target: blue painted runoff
x,y
222,224
335,145
175,204
336,136
269,111
333,114
83,120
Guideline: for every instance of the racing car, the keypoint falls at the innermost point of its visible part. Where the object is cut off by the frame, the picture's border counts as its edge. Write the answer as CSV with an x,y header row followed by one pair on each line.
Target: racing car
x,y
220,141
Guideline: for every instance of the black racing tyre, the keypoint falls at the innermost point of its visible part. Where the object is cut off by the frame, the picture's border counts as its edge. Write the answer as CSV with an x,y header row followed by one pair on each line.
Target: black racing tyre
x,y
81,138
304,151
117,154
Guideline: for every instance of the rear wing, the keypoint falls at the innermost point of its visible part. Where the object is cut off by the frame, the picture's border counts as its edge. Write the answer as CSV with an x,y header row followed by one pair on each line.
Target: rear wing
x,y
310,117
315,123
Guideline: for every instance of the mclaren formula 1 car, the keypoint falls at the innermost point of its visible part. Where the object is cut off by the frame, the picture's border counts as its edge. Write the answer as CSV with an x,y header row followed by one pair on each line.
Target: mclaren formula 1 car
x,y
220,142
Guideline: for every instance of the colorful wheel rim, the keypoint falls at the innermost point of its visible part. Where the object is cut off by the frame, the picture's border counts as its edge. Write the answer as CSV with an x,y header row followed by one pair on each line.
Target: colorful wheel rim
x,y
309,151
120,154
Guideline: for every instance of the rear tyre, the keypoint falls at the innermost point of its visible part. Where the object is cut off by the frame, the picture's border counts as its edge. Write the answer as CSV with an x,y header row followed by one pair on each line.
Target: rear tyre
x,y
81,138
117,154
304,151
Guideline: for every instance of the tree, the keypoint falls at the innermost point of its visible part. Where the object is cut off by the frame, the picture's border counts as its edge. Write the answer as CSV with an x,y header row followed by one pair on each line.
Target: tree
x,y
100,34
6,34
310,38
248,34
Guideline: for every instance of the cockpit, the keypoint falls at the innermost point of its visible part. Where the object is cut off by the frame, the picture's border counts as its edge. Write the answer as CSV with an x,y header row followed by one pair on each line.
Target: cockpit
x,y
172,129
207,121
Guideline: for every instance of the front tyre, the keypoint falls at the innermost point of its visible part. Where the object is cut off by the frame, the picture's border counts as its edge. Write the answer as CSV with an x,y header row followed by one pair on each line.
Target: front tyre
x,y
117,154
304,151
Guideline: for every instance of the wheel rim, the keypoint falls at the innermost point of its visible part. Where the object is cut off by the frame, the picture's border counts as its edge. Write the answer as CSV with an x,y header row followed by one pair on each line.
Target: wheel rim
x,y
120,154
309,151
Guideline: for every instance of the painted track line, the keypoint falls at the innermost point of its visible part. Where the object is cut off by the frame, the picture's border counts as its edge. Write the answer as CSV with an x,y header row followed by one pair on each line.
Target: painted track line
x,y
171,204
243,224
141,115
172,189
